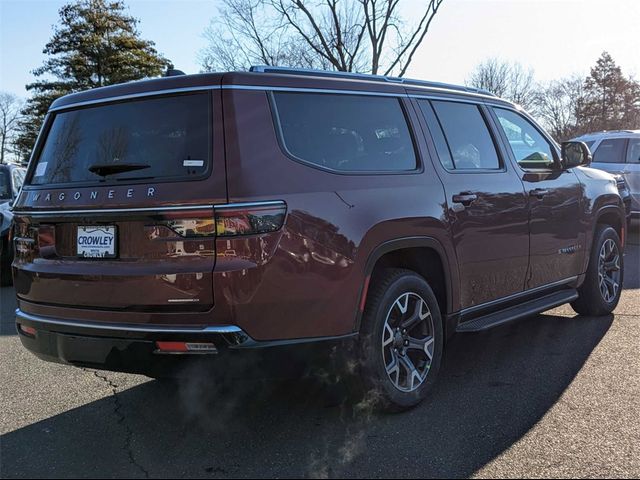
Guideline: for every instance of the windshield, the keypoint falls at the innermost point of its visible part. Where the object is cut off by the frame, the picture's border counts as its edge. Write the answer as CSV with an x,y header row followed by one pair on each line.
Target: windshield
x,y
166,137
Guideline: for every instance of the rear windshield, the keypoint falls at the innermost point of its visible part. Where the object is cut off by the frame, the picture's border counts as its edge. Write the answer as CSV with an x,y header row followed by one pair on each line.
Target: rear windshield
x,y
159,138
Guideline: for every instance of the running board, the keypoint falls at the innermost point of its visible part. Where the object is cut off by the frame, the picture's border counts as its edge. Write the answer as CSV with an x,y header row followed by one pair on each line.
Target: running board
x,y
517,312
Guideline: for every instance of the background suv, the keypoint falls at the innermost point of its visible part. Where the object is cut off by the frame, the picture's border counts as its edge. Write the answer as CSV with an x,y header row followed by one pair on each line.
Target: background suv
x,y
266,211
618,152
11,179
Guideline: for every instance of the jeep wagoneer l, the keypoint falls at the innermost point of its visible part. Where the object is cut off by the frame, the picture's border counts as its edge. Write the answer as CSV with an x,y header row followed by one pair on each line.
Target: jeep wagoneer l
x,y
219,213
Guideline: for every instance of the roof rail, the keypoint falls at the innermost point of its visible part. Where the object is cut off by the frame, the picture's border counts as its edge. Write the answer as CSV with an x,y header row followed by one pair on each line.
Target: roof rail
x,y
367,77
600,132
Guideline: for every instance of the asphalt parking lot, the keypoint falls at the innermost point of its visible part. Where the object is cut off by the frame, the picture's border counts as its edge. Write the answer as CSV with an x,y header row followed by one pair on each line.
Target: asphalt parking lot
x,y
552,396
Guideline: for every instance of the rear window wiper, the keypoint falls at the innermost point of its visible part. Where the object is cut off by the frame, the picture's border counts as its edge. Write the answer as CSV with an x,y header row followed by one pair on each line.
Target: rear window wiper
x,y
113,168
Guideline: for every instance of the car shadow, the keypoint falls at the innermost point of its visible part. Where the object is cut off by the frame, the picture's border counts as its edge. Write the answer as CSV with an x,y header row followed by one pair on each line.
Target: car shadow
x,y
494,387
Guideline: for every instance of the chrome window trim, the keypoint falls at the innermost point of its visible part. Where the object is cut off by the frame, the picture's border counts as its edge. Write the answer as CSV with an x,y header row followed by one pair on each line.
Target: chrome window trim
x,y
131,96
269,88
361,92
482,100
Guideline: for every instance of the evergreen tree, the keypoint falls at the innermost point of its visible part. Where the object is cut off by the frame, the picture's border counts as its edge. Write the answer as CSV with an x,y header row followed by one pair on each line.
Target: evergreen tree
x,y
95,44
612,101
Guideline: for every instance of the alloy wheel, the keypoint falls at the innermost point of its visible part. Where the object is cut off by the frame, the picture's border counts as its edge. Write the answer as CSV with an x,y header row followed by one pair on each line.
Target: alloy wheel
x,y
609,270
408,342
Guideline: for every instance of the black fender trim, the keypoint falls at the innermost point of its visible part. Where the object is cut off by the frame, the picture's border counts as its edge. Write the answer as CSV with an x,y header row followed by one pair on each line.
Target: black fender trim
x,y
401,244
605,210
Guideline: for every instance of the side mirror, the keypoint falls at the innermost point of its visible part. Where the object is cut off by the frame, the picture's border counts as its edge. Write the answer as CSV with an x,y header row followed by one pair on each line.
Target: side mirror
x,y
575,154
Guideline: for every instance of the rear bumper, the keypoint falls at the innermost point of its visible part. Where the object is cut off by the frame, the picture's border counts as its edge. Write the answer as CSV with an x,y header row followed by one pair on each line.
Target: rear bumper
x,y
132,348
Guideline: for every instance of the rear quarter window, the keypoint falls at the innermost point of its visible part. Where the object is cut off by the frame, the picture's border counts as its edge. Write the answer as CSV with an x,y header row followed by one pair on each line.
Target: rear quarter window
x,y
347,133
165,137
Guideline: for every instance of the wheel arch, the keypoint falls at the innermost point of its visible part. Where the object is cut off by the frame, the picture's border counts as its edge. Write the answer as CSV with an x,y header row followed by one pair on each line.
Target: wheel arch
x,y
424,255
610,215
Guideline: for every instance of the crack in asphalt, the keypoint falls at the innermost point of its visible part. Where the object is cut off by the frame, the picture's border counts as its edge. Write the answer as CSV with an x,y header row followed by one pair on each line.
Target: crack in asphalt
x,y
117,410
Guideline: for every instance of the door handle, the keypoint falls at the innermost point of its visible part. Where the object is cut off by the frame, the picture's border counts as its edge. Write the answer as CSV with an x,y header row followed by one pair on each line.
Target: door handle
x,y
538,192
465,198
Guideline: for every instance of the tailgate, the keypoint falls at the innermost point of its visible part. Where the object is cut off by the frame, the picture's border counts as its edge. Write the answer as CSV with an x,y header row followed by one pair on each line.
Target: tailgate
x,y
117,209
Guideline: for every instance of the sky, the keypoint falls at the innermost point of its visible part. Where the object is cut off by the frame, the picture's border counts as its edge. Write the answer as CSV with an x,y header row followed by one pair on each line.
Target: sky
x,y
556,38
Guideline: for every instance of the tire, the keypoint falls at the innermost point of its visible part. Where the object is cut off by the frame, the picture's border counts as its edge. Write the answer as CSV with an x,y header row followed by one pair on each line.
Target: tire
x,y
382,348
602,286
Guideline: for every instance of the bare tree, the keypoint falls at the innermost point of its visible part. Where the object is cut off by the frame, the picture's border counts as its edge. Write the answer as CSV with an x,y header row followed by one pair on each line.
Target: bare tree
x,y
10,114
346,35
557,106
504,79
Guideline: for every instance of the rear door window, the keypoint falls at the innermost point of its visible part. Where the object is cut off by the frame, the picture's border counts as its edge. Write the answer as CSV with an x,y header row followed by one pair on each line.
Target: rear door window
x,y
633,151
468,138
349,133
159,138
610,151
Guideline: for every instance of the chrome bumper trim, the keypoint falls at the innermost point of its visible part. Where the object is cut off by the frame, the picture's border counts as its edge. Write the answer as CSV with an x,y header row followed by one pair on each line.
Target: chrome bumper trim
x,y
119,327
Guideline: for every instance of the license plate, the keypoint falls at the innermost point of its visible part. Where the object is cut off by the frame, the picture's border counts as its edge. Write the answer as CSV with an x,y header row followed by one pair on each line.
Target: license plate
x,y
96,241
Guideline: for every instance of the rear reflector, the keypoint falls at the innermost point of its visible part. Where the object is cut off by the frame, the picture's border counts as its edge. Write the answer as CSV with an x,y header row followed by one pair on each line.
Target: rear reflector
x,y
185,347
249,218
30,331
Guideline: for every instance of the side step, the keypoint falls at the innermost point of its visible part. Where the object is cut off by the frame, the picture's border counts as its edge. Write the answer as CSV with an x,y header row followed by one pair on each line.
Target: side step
x,y
519,311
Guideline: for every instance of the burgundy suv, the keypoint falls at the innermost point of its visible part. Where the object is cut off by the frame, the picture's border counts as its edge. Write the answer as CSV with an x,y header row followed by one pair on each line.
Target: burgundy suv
x,y
226,212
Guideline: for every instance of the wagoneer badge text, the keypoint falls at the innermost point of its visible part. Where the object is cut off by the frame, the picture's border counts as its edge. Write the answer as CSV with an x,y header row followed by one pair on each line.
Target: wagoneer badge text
x,y
93,195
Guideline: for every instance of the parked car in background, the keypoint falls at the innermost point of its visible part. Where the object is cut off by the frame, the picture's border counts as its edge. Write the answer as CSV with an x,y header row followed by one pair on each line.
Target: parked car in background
x,y
618,152
224,213
11,179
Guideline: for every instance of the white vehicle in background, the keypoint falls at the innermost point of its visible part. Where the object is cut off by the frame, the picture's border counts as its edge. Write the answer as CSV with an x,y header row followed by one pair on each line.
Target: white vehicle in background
x,y
11,179
618,152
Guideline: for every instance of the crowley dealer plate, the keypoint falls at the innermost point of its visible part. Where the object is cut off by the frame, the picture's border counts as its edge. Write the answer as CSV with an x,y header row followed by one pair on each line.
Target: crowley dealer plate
x,y
96,241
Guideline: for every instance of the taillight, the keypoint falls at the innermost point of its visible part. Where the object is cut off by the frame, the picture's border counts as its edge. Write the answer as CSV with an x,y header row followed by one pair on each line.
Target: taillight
x,y
249,218
24,240
193,227
187,223
230,220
